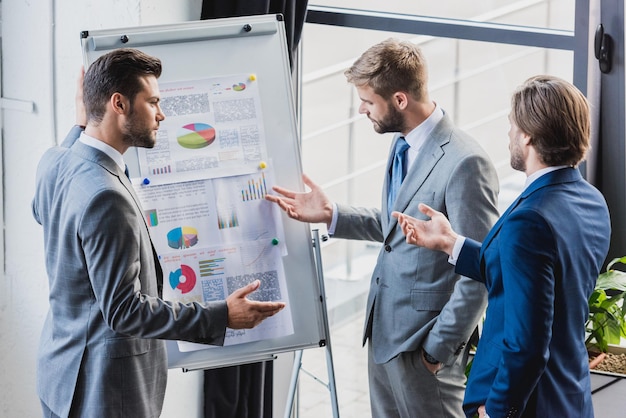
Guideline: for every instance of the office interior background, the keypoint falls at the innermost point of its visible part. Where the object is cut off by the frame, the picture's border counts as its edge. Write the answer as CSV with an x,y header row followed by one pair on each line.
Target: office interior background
x,y
478,52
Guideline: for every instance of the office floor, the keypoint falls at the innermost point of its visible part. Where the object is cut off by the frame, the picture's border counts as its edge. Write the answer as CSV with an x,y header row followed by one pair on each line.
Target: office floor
x,y
350,369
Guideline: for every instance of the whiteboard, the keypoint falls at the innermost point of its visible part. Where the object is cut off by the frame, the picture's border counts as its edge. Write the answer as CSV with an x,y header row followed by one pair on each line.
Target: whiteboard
x,y
215,48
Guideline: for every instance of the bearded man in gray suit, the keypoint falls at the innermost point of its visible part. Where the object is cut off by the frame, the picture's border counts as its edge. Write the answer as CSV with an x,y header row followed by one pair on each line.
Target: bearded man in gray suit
x,y
420,314
101,351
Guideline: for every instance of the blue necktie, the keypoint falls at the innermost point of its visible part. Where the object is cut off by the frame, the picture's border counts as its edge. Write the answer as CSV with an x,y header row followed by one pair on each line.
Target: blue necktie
x,y
397,172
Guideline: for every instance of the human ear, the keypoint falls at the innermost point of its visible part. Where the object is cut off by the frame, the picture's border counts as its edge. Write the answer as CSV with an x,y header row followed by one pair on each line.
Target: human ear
x,y
400,99
119,103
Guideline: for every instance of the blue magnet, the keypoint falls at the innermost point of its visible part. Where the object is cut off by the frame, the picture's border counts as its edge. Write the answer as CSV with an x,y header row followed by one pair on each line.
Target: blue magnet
x,y
146,181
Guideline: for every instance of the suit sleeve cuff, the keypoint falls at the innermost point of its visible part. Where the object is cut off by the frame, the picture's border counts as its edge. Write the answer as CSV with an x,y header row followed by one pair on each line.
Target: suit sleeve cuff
x,y
333,222
456,250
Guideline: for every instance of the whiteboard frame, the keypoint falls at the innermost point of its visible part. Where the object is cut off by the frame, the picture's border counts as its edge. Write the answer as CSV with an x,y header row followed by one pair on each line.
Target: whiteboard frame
x,y
251,44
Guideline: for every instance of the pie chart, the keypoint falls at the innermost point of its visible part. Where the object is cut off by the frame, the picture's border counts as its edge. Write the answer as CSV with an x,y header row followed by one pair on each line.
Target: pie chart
x,y
196,135
183,279
182,237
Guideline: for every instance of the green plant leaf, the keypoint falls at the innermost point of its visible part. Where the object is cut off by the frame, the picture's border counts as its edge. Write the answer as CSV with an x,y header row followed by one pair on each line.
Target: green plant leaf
x,y
612,279
621,260
607,314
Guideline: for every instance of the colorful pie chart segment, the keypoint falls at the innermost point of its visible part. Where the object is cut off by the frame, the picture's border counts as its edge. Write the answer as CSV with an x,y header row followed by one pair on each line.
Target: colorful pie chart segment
x,y
183,279
239,87
182,237
196,135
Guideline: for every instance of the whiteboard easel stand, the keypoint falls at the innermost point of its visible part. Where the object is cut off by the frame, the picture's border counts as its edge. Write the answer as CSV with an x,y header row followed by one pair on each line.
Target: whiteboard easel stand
x,y
297,364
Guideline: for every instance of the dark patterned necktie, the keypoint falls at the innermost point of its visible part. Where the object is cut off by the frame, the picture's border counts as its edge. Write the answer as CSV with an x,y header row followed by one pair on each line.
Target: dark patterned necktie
x,y
157,263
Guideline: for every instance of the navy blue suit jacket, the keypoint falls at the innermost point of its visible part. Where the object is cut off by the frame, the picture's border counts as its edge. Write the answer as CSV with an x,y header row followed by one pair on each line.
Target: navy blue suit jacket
x,y
539,264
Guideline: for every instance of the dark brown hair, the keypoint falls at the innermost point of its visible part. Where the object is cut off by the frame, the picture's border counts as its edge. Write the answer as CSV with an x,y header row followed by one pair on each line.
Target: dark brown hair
x,y
118,71
555,115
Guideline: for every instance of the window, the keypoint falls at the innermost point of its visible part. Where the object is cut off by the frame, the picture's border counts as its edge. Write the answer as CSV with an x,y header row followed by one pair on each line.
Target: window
x,y
554,14
471,80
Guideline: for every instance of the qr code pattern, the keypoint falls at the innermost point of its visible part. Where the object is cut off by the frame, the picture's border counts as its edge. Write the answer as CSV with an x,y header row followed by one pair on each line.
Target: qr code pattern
x,y
234,110
213,290
269,289
185,105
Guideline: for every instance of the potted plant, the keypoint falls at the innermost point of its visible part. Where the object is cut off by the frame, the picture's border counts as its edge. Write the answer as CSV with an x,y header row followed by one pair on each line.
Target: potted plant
x,y
606,324
607,313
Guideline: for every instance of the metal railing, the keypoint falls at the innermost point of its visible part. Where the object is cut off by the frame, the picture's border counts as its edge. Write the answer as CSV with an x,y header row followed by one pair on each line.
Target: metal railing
x,y
428,29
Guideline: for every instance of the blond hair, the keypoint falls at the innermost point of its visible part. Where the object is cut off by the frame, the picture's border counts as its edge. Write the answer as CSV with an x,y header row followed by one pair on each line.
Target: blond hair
x,y
391,66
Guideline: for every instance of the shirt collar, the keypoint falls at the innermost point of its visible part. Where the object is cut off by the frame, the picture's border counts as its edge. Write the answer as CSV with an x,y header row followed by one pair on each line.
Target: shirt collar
x,y
534,176
418,135
106,148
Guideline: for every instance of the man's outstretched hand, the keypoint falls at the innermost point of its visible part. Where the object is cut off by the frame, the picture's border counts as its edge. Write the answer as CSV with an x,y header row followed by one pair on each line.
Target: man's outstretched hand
x,y
435,234
313,206
245,313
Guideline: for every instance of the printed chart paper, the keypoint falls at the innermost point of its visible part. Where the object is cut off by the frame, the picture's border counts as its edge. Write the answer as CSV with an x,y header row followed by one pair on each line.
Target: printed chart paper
x,y
202,189
212,274
212,128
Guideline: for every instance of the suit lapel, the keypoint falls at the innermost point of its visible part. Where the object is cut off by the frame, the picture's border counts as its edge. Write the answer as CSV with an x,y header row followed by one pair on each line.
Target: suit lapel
x,y
385,221
492,233
428,157
103,160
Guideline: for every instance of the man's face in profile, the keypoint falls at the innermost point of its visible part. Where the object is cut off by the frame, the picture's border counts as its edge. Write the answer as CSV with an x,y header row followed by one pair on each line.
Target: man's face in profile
x,y
142,121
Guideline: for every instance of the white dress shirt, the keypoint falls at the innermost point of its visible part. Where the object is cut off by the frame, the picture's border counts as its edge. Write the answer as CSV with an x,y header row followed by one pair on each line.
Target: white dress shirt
x,y
104,147
416,139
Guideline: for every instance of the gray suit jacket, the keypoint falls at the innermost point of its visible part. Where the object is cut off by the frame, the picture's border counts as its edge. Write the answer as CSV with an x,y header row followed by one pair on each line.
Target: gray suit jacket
x,y
415,297
100,352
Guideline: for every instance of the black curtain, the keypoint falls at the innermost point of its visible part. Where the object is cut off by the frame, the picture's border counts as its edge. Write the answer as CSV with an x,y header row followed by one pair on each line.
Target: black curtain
x,y
293,11
245,391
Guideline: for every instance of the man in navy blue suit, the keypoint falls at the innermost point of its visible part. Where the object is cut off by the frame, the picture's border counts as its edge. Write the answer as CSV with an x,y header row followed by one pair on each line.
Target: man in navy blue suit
x,y
539,264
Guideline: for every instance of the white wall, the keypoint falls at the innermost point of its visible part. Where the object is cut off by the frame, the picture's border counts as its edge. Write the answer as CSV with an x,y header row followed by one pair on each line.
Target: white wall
x,y
41,57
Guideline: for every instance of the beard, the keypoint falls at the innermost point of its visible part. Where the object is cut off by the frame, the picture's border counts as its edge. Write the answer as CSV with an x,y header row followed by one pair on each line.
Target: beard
x,y
517,158
392,121
136,134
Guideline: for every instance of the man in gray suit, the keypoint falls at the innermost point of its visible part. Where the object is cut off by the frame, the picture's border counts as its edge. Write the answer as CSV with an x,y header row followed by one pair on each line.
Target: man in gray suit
x,y
420,314
101,352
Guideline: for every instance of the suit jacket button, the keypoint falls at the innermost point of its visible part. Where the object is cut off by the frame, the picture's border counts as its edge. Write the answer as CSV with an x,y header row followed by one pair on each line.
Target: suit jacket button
x,y
459,349
377,280
388,248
